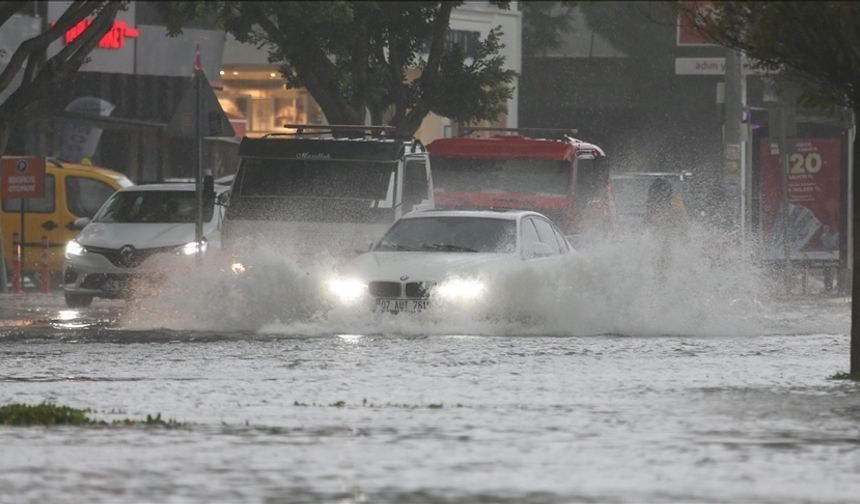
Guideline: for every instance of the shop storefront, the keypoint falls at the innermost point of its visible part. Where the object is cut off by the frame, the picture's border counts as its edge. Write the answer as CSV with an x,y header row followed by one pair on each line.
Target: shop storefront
x,y
256,98
116,110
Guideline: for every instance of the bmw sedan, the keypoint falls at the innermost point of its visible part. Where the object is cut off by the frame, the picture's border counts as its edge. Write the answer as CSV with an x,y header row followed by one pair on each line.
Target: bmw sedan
x,y
445,258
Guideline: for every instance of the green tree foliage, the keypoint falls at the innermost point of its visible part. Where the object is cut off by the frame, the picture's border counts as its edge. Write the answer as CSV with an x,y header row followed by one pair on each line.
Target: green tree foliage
x,y
817,42
355,56
40,74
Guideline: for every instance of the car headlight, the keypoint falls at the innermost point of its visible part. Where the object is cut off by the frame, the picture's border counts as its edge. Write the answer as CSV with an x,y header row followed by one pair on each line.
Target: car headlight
x,y
73,248
346,290
458,289
192,248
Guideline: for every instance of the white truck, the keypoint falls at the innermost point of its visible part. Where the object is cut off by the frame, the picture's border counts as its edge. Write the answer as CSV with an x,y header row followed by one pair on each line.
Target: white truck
x,y
323,190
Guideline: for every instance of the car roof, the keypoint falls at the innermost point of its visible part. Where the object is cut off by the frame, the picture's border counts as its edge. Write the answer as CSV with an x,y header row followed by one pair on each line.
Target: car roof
x,y
487,214
53,165
648,175
171,186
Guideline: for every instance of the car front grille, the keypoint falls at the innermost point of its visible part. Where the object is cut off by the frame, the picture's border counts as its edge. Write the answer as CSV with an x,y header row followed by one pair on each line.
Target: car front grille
x,y
418,290
102,281
127,257
384,289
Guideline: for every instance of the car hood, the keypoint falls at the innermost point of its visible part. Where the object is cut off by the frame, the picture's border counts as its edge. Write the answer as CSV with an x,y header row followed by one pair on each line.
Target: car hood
x,y
140,235
422,266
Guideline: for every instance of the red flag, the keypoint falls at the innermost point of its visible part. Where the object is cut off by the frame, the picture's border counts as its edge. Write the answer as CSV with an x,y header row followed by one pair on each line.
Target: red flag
x,y
198,65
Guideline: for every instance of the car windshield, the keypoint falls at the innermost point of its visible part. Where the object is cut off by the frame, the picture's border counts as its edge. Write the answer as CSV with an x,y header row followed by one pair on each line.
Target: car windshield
x,y
152,206
324,178
451,234
526,176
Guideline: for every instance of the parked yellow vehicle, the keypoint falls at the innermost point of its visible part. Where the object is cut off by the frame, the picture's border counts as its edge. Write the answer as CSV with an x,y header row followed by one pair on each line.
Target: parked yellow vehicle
x,y
71,191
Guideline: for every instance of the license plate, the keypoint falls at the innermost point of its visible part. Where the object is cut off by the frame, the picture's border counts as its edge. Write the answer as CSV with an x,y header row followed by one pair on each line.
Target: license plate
x,y
402,305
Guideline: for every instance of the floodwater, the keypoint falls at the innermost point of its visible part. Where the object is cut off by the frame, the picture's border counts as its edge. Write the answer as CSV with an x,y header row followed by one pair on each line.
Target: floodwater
x,y
702,388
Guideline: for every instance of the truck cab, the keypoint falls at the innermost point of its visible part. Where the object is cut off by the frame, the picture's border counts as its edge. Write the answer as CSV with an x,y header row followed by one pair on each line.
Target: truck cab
x,y
550,172
323,189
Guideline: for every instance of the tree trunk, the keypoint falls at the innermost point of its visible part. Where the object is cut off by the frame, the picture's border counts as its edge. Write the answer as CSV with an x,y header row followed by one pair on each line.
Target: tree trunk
x,y
855,240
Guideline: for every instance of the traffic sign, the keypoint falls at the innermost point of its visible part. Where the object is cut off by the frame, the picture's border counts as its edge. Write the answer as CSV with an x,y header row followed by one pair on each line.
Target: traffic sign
x,y
22,177
213,121
713,66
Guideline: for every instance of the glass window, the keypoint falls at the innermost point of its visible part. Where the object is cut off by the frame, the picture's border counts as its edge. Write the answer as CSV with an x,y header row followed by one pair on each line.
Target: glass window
x,y
524,176
45,204
414,183
316,179
451,234
592,175
546,234
152,206
563,246
84,196
529,232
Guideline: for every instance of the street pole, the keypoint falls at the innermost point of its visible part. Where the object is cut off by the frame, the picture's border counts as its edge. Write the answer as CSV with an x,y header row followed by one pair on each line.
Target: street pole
x,y
783,207
198,135
733,136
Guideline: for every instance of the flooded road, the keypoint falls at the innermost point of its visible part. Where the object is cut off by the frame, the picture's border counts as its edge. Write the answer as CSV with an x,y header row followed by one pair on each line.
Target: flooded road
x,y
412,414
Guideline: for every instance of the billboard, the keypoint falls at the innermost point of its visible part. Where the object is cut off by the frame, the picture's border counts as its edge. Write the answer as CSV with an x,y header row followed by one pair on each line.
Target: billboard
x,y
687,36
810,222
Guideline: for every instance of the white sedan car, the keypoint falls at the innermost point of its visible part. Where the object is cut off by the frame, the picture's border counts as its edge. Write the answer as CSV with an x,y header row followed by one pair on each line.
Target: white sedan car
x,y
438,257
133,227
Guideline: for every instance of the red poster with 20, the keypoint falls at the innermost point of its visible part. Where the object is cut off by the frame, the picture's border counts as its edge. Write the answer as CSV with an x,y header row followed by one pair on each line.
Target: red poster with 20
x,y
810,223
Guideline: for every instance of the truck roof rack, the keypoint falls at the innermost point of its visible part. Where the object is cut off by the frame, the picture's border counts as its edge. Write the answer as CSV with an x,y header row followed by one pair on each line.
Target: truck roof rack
x,y
355,130
349,131
560,132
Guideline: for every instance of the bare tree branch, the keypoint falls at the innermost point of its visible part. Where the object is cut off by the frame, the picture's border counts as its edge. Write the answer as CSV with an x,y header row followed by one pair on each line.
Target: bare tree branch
x,y
72,16
66,61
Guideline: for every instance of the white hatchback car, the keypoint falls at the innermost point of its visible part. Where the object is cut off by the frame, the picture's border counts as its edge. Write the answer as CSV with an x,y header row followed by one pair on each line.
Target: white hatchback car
x,y
444,257
133,226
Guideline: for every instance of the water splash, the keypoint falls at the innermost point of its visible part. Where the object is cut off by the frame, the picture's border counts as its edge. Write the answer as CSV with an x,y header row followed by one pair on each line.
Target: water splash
x,y
612,287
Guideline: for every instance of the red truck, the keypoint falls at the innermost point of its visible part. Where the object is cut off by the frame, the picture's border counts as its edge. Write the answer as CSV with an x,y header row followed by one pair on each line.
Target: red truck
x,y
550,172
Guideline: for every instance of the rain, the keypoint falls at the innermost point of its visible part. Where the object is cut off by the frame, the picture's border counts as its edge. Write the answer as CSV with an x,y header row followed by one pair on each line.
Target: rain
x,y
525,285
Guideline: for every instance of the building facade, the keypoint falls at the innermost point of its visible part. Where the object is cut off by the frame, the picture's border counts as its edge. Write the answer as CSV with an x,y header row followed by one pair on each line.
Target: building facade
x,y
116,110
254,94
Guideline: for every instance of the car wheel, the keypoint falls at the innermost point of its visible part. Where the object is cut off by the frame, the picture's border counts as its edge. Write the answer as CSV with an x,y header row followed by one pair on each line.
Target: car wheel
x,y
78,300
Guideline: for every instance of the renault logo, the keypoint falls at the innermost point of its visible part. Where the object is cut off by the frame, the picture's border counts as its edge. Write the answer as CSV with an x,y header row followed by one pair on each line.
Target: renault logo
x,y
127,254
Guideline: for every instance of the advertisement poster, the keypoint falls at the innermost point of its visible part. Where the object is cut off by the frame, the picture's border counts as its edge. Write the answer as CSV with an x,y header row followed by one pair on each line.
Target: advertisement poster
x,y
811,224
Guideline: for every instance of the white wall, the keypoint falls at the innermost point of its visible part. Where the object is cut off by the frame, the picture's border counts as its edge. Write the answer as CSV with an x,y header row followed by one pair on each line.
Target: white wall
x,y
152,51
483,17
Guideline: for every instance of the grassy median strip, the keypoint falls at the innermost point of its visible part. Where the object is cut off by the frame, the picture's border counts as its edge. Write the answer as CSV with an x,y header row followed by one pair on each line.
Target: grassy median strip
x,y
49,415
365,404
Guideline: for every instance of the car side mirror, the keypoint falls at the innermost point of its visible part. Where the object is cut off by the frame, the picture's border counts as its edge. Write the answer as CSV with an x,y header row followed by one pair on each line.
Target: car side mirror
x,y
80,223
538,249
369,248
